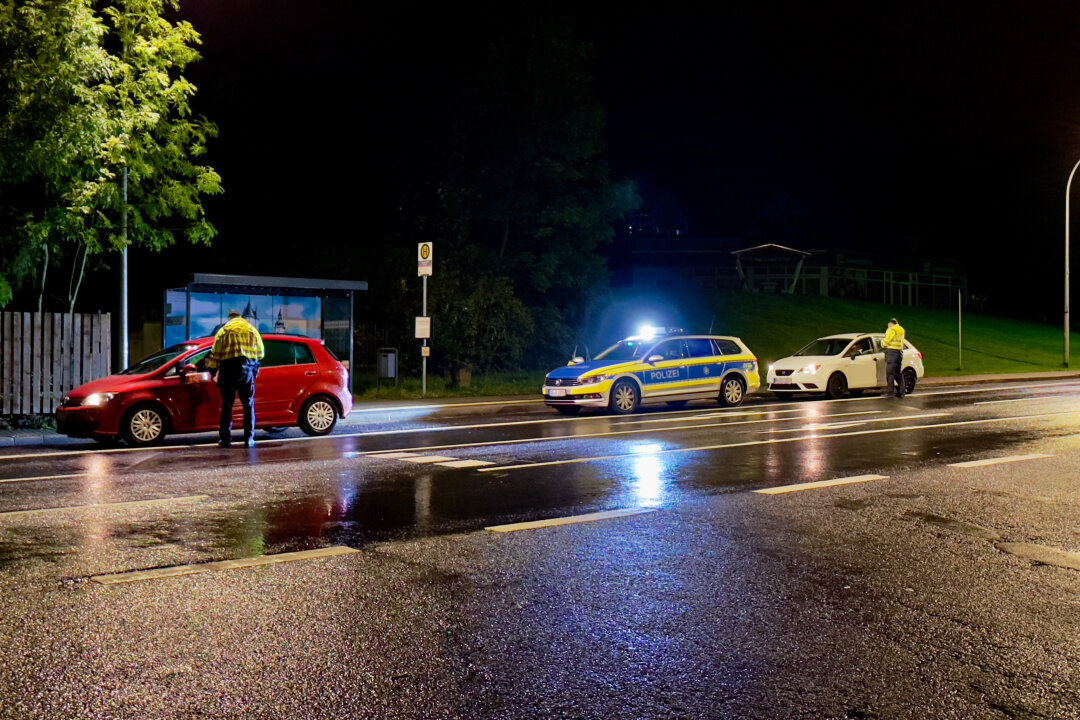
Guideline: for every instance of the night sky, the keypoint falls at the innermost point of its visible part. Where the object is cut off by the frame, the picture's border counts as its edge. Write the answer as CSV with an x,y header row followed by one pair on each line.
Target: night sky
x,y
944,130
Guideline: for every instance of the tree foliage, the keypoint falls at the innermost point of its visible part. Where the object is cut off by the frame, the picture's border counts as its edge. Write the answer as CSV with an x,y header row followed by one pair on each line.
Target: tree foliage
x,y
89,89
521,202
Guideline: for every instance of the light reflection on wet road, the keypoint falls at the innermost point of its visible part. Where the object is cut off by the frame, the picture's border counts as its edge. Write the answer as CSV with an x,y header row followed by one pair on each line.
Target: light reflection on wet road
x,y
299,493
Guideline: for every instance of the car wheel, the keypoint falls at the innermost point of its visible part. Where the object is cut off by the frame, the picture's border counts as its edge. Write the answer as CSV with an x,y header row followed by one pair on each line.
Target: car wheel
x,y
677,403
625,397
732,391
909,381
144,425
837,386
318,415
568,409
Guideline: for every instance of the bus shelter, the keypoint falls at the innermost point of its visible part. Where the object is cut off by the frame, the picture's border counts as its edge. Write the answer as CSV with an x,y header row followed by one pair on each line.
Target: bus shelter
x,y
292,306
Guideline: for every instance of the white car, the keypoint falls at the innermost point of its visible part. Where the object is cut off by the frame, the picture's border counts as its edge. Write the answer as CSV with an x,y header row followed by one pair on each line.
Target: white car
x,y
838,364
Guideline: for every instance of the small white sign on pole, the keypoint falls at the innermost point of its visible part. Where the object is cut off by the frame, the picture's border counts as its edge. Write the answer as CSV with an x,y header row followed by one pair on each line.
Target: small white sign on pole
x,y
423,259
423,328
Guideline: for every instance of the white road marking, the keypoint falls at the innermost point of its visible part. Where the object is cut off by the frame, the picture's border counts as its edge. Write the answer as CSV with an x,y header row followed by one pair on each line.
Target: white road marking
x,y
1027,399
998,460
107,506
655,417
836,426
820,484
44,477
424,459
465,463
178,570
770,441
571,520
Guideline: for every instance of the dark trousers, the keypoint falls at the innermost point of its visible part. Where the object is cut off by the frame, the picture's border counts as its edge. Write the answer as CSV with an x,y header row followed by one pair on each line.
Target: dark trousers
x,y
894,376
237,377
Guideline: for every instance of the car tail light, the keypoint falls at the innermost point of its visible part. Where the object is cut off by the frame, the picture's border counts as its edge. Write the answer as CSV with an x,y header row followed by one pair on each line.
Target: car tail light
x,y
919,354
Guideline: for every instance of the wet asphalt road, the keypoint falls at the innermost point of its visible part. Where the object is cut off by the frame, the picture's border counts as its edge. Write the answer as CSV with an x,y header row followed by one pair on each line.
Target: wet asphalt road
x,y
924,592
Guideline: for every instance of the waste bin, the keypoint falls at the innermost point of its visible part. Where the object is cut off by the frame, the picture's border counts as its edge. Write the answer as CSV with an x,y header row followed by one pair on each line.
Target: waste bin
x,y
386,361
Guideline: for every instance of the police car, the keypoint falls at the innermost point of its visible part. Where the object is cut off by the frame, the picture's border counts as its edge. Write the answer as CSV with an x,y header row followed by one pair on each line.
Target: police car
x,y
659,365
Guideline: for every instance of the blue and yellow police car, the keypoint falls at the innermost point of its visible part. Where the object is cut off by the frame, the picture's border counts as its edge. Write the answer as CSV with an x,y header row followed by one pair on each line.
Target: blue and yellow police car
x,y
658,365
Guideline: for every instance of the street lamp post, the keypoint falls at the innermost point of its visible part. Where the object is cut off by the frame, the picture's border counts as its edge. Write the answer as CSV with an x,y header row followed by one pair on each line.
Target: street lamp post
x,y
1068,187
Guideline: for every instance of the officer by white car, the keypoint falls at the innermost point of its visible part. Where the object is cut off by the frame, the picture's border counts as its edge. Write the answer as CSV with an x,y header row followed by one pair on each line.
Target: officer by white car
x,y
840,364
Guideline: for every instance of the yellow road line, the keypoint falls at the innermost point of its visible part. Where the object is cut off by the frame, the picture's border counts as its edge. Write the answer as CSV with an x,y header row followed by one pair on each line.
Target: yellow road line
x,y
179,570
571,520
108,506
997,460
391,455
44,477
820,484
425,459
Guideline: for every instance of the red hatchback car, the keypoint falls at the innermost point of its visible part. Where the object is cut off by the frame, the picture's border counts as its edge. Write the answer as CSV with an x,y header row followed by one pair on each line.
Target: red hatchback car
x,y
300,383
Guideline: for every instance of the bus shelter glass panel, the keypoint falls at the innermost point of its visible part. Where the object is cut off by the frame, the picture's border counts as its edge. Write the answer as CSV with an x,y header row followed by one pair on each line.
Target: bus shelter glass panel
x,y
337,331
175,317
268,313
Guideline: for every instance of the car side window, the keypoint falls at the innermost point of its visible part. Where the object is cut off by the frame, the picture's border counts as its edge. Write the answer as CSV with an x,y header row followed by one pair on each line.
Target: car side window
x,y
699,347
198,360
670,349
865,346
278,352
304,356
728,347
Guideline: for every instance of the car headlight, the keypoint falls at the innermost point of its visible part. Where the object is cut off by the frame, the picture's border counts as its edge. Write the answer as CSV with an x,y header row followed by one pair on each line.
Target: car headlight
x,y
97,399
771,368
594,379
810,369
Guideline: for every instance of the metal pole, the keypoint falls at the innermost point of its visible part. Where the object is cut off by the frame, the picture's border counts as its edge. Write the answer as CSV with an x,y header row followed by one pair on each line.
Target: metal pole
x,y
1068,187
423,381
960,329
124,276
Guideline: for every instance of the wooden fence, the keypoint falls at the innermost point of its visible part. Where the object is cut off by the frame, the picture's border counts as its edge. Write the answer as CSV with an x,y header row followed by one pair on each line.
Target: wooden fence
x,y
44,355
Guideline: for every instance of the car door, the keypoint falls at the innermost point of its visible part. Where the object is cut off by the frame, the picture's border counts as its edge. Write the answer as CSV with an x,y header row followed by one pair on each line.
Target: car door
x,y
287,370
667,375
193,401
704,367
861,363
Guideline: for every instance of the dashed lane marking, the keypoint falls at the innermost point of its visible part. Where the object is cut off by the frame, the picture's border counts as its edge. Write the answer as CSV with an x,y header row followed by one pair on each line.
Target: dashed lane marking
x,y
820,484
773,441
393,455
44,477
998,460
107,506
179,570
571,520
465,463
426,459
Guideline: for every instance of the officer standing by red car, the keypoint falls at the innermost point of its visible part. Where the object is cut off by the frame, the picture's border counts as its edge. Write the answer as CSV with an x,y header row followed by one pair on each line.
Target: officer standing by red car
x,y
235,356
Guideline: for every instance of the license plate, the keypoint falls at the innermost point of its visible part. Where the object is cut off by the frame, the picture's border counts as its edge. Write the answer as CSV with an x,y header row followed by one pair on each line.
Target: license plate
x,y
556,392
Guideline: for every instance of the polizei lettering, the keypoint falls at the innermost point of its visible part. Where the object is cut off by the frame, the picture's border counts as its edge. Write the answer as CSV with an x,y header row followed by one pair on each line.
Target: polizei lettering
x,y
658,375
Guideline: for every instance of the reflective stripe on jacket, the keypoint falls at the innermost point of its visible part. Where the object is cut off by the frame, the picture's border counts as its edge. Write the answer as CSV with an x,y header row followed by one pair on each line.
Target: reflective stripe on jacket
x,y
894,338
236,338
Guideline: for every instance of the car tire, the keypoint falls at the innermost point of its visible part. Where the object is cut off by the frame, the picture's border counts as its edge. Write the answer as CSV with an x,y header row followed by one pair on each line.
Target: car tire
x,y
144,425
732,391
567,409
837,386
677,403
909,381
318,415
625,397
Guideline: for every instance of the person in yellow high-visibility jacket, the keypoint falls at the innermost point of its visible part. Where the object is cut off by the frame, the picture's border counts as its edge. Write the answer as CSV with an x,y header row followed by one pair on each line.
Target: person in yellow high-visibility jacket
x,y
894,359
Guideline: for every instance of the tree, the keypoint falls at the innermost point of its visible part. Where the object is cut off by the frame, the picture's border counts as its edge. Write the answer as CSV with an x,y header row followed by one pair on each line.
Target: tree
x,y
122,103
523,200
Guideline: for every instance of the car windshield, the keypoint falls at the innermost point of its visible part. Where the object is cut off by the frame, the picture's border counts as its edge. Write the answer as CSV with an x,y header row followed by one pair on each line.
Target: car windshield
x,y
625,351
825,346
158,359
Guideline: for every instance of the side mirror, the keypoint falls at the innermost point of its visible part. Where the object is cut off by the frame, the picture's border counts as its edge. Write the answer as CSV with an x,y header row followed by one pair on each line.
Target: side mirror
x,y
655,358
189,368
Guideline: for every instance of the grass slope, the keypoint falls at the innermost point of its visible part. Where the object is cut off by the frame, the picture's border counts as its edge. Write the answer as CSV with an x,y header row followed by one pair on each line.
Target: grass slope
x,y
774,326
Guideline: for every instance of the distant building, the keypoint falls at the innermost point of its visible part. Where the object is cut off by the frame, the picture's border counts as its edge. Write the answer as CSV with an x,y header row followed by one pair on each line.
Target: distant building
x,y
710,264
